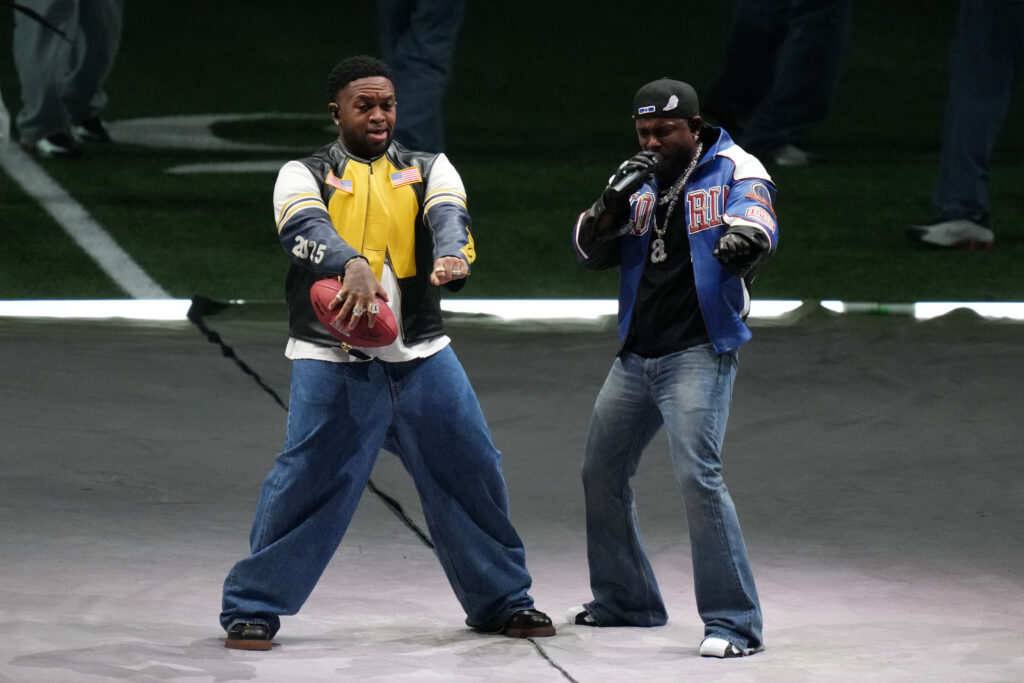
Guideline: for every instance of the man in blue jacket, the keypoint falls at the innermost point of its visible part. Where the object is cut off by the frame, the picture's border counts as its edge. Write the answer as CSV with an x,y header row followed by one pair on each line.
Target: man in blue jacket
x,y
688,221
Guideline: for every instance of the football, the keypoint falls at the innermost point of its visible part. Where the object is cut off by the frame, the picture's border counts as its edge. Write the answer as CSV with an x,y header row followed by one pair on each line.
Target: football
x,y
383,332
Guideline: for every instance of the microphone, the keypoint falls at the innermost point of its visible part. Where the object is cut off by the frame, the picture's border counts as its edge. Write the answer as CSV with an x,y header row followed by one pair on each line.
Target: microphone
x,y
628,183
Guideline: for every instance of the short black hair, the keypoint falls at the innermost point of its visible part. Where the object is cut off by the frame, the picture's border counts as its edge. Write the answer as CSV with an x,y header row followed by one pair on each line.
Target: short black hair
x,y
352,69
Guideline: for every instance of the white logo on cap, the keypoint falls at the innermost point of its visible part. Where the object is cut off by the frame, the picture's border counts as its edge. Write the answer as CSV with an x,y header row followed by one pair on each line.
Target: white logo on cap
x,y
673,102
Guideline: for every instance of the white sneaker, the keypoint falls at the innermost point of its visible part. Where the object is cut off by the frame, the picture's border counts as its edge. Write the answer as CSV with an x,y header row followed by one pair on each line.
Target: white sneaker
x,y
791,155
579,616
952,234
57,145
713,646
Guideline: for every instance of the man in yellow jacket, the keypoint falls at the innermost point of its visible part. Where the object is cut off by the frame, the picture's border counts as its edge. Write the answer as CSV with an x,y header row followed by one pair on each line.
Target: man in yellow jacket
x,y
393,224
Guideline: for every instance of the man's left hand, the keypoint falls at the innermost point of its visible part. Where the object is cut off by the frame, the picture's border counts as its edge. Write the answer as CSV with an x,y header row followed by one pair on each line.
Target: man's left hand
x,y
448,268
732,246
739,252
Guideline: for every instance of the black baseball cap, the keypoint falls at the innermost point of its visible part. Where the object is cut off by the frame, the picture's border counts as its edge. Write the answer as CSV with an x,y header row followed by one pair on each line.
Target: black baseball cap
x,y
666,97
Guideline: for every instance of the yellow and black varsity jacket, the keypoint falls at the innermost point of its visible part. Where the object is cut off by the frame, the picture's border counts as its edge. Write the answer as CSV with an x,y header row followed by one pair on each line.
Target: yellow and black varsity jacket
x,y
404,207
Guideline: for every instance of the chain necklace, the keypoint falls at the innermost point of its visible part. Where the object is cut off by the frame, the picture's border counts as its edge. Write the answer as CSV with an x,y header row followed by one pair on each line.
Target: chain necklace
x,y
658,253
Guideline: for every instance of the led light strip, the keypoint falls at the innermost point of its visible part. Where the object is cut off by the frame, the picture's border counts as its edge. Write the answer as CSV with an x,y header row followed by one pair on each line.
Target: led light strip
x,y
131,309
924,310
507,309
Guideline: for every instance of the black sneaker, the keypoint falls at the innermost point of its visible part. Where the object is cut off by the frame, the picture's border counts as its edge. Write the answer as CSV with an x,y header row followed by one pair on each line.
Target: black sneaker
x,y
579,616
714,646
90,130
246,636
54,146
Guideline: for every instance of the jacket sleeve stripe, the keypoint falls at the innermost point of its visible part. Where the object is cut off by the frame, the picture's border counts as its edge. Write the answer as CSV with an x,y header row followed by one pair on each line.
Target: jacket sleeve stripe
x,y
576,238
443,195
737,220
296,205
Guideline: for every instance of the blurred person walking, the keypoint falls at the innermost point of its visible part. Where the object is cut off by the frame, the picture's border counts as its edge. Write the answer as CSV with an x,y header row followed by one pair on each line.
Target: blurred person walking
x,y
987,58
782,66
63,57
417,39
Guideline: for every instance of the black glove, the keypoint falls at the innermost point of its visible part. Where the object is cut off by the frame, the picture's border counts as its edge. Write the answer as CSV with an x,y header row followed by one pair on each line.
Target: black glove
x,y
739,252
631,174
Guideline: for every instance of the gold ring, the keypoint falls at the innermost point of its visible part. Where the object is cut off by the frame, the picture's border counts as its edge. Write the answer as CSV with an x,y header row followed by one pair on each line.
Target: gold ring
x,y
439,269
374,308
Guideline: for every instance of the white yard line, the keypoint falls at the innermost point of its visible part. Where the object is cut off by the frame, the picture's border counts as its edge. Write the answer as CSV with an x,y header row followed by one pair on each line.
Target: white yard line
x,y
79,225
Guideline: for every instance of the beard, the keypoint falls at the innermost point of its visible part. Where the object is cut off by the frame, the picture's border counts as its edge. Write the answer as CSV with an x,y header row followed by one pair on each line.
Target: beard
x,y
671,170
365,149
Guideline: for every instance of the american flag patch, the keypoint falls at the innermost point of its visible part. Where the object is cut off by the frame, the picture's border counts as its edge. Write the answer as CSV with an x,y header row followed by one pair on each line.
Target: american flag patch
x,y
337,183
406,176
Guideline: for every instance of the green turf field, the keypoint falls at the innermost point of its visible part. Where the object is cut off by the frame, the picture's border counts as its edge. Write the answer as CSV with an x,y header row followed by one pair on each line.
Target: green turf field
x,y
537,118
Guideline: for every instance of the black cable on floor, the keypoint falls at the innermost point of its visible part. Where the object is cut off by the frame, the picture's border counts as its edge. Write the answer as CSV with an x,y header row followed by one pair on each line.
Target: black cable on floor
x,y
201,306
396,508
550,661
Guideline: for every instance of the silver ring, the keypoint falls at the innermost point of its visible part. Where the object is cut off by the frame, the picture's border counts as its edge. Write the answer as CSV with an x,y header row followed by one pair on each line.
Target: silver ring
x,y
456,271
357,311
374,308
439,269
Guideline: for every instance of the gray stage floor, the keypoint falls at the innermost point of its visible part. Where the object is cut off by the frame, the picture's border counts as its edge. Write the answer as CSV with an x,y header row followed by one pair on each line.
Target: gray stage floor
x,y
876,464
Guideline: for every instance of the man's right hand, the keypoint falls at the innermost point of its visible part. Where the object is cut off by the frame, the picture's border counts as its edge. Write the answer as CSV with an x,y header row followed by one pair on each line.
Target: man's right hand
x,y
641,161
358,294
629,176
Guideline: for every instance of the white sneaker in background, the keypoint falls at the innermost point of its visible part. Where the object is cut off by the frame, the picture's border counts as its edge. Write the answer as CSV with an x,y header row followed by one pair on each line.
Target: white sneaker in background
x,y
959,233
791,155
55,146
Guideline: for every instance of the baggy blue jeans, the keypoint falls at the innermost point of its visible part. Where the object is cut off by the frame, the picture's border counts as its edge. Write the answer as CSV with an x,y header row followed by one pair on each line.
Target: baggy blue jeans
x,y
782,65
417,38
689,392
987,61
341,415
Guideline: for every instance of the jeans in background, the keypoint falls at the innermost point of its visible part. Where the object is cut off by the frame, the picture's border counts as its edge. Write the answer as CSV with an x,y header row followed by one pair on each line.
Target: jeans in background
x,y
782,65
988,54
417,39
